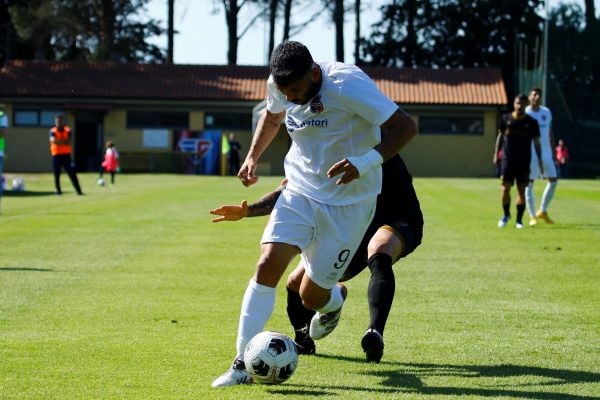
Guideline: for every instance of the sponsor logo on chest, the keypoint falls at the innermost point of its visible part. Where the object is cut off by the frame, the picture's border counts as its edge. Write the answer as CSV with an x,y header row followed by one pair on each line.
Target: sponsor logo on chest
x,y
292,124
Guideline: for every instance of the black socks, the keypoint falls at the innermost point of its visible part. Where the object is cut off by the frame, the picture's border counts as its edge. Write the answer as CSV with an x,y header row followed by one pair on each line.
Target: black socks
x,y
381,290
298,315
520,212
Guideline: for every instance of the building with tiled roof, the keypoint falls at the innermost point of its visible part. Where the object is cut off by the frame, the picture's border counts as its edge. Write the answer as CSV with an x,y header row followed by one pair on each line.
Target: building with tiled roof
x,y
147,108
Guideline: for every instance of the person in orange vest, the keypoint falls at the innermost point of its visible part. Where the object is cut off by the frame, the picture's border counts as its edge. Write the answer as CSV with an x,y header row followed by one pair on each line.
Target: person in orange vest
x,y
60,148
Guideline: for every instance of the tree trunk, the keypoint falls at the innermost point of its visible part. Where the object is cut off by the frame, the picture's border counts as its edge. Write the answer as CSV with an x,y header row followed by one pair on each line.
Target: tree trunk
x,y
170,31
590,14
107,36
274,4
338,18
231,13
411,35
357,59
286,19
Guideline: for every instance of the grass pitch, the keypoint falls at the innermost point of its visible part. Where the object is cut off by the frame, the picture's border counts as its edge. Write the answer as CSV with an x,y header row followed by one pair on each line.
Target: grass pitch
x,y
130,292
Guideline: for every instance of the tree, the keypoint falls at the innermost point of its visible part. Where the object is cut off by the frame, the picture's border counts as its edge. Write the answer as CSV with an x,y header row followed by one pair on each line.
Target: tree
x,y
287,7
11,45
273,8
590,14
357,59
90,30
455,33
338,19
399,39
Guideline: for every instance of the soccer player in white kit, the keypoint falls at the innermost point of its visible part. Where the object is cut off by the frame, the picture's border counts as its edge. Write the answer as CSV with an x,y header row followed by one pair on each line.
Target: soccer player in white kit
x,y
544,118
333,112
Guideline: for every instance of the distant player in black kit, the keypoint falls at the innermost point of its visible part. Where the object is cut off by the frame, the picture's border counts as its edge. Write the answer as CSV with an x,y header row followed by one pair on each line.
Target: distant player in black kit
x,y
515,134
396,230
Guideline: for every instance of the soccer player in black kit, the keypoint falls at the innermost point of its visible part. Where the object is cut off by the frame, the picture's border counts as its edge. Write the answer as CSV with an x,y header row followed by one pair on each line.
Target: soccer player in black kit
x,y
515,133
396,230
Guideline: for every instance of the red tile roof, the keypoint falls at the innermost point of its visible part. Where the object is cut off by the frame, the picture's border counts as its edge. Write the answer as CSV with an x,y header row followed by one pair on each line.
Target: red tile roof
x,y
109,80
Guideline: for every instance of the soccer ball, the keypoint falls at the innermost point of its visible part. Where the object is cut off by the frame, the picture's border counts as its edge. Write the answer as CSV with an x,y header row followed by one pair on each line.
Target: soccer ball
x,y
100,182
271,357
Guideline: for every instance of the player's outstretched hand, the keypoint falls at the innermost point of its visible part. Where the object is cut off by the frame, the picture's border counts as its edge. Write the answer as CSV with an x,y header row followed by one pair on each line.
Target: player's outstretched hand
x,y
346,168
230,213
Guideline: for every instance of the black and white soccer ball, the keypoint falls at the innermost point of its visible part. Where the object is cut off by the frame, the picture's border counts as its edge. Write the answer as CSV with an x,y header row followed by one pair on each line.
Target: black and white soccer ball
x,y
271,357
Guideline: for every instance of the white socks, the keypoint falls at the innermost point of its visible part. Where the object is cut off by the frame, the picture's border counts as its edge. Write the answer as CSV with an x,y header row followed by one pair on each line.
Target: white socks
x,y
547,196
335,301
529,200
257,307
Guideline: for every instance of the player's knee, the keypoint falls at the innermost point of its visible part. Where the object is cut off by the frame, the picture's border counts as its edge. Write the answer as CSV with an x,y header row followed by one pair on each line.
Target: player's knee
x,y
268,271
312,304
294,280
385,242
312,300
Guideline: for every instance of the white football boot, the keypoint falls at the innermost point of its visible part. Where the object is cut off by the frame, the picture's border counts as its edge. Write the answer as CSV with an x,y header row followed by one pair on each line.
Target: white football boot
x,y
503,221
322,325
236,375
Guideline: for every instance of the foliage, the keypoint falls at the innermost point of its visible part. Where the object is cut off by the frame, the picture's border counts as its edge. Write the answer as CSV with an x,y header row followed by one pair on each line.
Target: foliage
x,y
131,292
453,33
90,30
574,56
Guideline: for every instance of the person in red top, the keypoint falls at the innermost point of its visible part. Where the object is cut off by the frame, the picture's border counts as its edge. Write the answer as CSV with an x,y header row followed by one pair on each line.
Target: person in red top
x,y
110,163
562,156
60,148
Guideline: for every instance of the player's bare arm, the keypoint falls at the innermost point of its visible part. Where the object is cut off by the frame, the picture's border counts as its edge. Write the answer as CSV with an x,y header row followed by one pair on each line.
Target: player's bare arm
x,y
399,129
497,147
538,151
266,130
57,141
259,208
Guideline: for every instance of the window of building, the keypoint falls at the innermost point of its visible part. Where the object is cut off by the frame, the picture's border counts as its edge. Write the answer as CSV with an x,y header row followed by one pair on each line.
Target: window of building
x,y
241,121
157,119
448,125
35,117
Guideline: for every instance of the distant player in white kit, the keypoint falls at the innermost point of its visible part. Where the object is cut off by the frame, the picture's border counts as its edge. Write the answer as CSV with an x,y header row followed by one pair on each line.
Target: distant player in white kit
x,y
544,118
333,112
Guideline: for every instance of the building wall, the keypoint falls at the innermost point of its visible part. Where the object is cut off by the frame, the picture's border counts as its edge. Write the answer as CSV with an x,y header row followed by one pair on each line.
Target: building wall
x,y
27,148
426,154
453,155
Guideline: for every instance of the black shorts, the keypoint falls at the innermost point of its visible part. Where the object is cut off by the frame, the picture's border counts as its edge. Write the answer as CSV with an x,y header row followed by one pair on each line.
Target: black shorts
x,y
398,209
510,173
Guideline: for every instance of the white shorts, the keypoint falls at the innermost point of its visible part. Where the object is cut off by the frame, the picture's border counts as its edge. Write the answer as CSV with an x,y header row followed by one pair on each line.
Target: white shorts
x,y
549,167
327,235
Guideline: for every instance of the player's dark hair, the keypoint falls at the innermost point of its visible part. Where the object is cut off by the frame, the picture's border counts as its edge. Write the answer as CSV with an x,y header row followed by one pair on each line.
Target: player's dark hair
x,y
536,89
290,61
522,97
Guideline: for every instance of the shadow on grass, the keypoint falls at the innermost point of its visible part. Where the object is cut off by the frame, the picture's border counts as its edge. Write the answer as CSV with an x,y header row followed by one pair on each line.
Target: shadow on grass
x,y
408,378
26,193
25,269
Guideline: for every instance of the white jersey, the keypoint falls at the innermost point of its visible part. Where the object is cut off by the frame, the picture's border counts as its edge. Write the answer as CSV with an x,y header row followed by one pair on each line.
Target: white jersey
x,y
341,121
544,118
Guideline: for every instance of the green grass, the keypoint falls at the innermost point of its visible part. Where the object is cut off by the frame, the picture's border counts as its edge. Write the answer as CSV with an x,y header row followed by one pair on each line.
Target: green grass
x,y
130,292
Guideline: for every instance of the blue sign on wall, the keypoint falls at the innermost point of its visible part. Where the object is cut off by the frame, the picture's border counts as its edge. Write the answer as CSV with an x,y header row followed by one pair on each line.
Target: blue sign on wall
x,y
202,149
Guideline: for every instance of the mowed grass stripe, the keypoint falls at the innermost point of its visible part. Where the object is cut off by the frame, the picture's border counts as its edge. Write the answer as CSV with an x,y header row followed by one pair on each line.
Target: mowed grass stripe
x,y
130,292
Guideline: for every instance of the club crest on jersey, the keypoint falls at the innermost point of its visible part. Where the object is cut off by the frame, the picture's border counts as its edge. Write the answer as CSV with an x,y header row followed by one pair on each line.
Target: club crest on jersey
x,y
316,107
